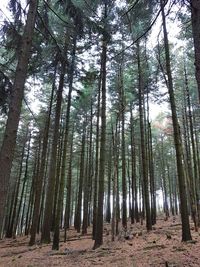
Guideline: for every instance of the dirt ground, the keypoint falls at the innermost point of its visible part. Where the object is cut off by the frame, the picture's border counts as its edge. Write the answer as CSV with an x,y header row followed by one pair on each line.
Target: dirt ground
x,y
160,247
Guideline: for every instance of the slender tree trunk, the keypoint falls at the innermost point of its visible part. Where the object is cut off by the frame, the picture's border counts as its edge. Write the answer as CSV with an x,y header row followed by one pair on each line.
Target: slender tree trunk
x,y
40,178
195,178
123,151
69,189
57,176
86,193
115,158
96,173
10,135
129,187
47,222
108,210
99,225
143,149
81,178
9,231
195,14
67,121
22,221
117,179
163,175
134,214
62,181
170,191
152,177
88,176
30,209
23,188
186,235
191,170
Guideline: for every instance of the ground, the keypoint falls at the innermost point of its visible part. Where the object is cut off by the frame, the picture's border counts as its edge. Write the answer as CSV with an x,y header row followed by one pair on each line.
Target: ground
x,y
160,247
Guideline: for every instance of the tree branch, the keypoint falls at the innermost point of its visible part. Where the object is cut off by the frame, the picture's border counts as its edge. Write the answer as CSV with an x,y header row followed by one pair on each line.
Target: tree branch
x,y
140,37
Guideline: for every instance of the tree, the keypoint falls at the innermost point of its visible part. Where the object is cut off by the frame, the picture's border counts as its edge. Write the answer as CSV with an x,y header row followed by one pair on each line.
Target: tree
x,y
99,225
143,149
47,222
40,177
10,135
195,15
186,235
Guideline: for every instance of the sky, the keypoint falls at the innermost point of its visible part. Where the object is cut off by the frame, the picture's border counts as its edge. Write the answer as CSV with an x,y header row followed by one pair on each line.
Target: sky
x,y
173,29
3,10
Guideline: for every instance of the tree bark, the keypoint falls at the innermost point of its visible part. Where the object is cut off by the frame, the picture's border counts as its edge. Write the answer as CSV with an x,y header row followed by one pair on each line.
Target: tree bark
x,y
123,149
99,225
47,223
10,135
77,223
40,178
96,172
143,148
195,15
186,235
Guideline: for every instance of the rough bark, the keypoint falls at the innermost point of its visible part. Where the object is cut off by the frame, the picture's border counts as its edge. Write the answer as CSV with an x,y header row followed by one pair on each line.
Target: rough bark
x,y
96,172
108,206
123,149
186,235
40,178
99,225
9,230
77,223
143,148
47,223
10,135
195,15
88,181
64,155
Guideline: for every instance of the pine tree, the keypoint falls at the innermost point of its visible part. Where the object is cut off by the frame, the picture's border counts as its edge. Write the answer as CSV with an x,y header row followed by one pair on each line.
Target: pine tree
x,y
10,135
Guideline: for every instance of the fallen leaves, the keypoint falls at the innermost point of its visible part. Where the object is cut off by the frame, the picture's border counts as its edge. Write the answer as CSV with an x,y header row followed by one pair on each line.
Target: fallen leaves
x,y
135,248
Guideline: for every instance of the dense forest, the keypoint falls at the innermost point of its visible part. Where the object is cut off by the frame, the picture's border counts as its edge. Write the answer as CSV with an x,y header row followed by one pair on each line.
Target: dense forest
x,y
81,142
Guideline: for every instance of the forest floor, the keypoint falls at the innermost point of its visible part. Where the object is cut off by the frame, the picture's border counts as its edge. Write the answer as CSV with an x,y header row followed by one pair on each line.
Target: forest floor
x,y
160,247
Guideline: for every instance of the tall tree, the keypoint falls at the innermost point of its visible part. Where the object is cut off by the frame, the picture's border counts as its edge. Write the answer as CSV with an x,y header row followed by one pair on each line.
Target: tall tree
x,y
40,177
142,136
186,235
99,224
47,222
10,135
195,14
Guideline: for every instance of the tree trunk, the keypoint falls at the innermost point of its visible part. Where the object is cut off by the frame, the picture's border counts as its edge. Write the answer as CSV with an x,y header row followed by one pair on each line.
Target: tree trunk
x,y
10,135
9,230
86,192
195,178
152,177
186,235
195,14
88,181
115,159
96,172
99,225
69,189
108,211
47,222
77,223
23,187
67,120
40,178
123,150
143,148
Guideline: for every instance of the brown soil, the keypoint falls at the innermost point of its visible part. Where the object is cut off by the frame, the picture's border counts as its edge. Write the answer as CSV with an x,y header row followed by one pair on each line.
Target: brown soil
x,y
160,247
